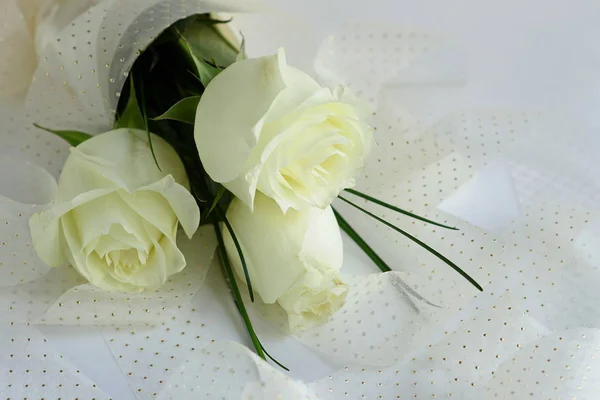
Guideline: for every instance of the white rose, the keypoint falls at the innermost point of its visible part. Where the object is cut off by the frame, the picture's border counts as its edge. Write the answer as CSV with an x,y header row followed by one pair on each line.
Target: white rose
x,y
293,259
26,28
263,125
116,215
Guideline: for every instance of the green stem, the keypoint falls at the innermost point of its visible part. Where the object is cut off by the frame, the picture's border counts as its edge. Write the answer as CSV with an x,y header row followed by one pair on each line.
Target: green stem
x,y
364,246
417,241
274,360
237,296
238,247
144,118
399,210
379,261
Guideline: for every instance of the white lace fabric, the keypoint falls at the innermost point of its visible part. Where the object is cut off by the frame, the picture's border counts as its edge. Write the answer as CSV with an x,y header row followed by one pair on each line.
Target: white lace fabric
x,y
421,331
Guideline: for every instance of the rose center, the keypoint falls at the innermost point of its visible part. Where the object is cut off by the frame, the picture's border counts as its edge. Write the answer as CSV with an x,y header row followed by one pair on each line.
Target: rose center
x,y
130,260
317,159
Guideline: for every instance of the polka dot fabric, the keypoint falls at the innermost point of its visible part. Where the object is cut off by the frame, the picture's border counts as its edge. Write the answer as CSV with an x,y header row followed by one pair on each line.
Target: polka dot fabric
x,y
29,301
148,356
230,371
31,368
84,68
458,365
26,27
472,249
384,316
22,141
18,201
388,315
543,275
563,365
547,262
366,56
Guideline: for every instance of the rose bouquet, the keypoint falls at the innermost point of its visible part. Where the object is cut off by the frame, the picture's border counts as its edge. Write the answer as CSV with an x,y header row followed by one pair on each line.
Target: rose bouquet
x,y
191,171
204,135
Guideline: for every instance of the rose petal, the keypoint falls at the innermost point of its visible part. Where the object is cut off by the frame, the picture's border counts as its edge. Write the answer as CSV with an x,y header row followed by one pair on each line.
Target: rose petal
x,y
246,89
95,218
283,250
46,230
180,200
131,164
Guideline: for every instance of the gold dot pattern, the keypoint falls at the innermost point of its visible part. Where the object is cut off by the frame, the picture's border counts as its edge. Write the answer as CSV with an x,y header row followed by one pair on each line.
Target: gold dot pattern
x,y
550,252
563,365
458,366
27,144
31,368
149,355
227,370
67,74
546,267
28,302
386,316
29,286
474,250
84,69
26,188
132,27
368,60
25,30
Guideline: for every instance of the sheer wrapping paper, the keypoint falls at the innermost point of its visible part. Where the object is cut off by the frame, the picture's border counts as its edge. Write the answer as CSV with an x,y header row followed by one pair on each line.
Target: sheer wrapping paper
x,y
421,331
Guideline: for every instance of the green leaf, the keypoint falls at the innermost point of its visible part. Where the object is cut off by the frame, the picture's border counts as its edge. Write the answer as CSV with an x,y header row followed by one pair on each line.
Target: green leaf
x,y
205,71
74,138
183,111
218,197
238,247
399,210
132,116
417,241
209,40
235,290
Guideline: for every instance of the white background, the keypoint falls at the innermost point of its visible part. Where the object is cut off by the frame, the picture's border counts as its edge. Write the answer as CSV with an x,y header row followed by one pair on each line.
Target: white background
x,y
521,54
